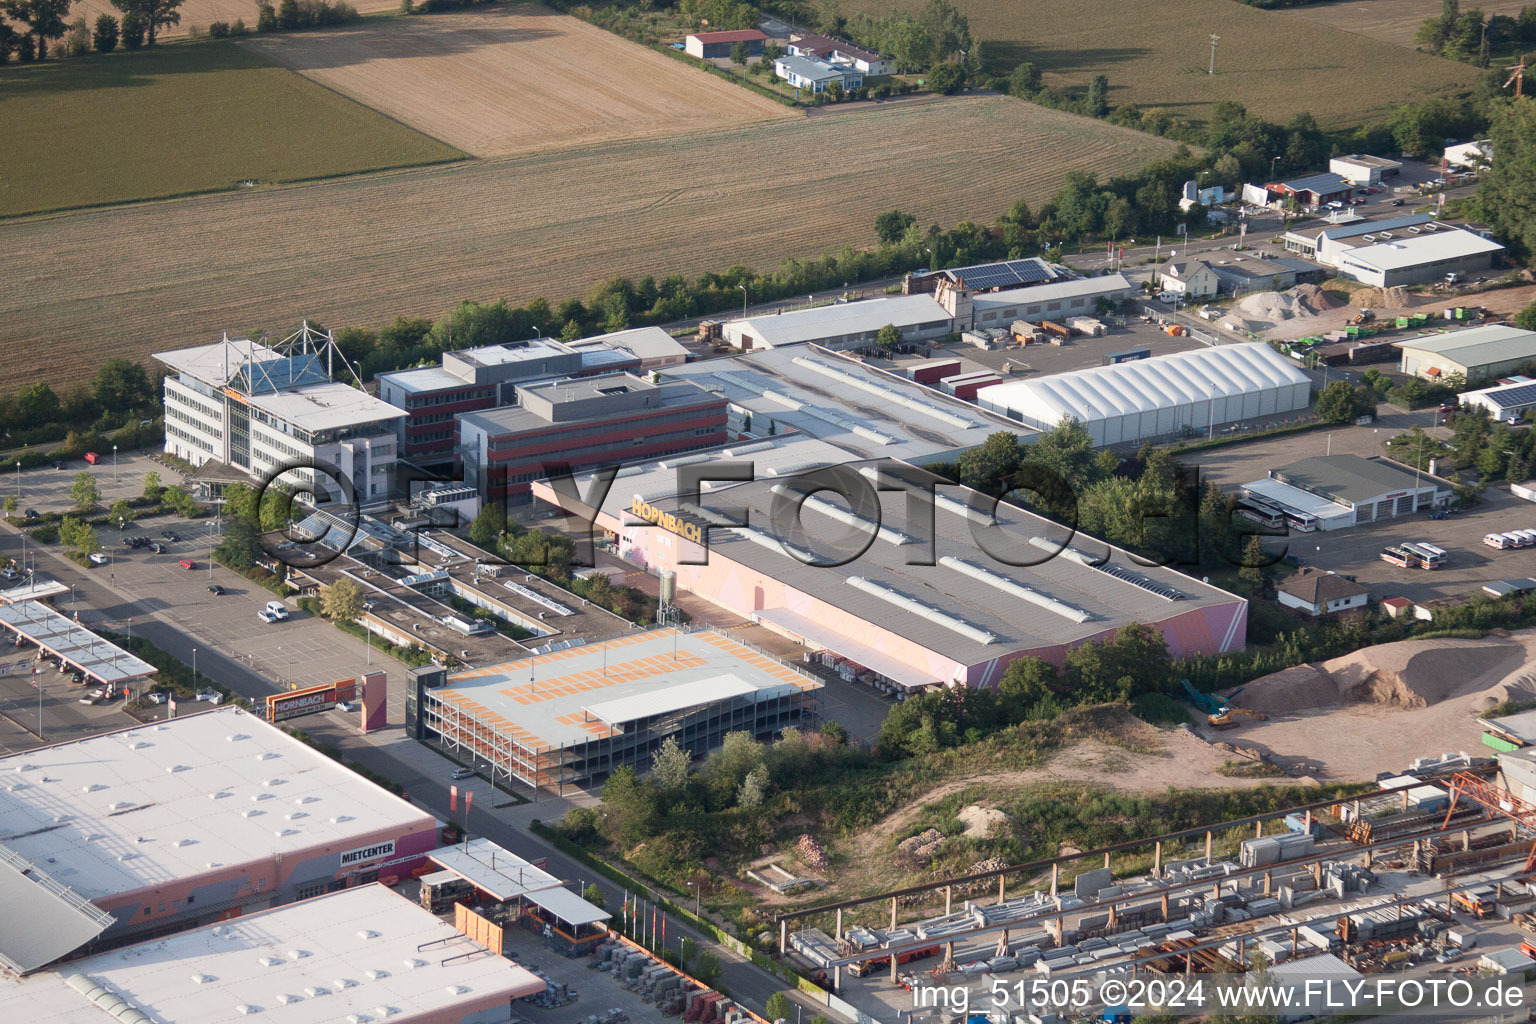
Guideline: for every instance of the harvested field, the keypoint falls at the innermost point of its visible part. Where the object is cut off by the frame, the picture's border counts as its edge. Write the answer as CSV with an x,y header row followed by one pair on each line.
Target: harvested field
x,y
515,79
180,119
77,288
1391,21
199,14
1156,55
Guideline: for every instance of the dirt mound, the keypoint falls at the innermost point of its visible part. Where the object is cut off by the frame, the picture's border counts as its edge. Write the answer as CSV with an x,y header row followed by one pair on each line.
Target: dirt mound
x,y
980,821
1314,298
1291,689
1269,307
1406,674
1381,298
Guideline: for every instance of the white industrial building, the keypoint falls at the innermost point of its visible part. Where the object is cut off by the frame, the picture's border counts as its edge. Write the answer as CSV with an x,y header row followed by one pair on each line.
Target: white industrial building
x,y
1335,492
1469,155
843,325
1187,392
1417,257
1361,169
1504,402
1326,245
256,409
1474,353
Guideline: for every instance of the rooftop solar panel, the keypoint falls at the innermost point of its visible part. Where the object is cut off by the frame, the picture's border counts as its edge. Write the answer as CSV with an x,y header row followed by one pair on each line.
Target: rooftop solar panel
x,y
1524,394
1007,274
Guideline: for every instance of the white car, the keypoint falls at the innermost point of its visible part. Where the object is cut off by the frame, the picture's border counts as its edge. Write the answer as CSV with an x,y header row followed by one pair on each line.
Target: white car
x,y
277,610
97,558
266,616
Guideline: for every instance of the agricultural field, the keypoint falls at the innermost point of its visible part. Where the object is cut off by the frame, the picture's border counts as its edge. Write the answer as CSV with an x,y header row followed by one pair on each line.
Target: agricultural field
x,y
180,119
131,280
1156,54
1390,21
197,15
515,79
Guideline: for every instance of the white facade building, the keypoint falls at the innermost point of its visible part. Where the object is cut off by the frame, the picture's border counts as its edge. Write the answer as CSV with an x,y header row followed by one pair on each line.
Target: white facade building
x,y
1188,392
843,325
259,410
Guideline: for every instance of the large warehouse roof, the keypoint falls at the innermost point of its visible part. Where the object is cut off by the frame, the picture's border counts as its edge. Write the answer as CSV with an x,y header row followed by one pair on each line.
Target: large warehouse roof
x,y
205,791
865,410
1144,385
1416,250
1477,346
1351,479
355,955
1055,291
821,322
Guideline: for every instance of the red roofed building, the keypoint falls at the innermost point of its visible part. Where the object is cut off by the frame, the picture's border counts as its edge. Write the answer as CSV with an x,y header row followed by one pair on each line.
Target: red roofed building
x,y
705,45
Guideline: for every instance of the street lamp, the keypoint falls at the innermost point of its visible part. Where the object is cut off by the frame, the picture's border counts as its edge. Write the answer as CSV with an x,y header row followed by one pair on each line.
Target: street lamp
x,y
114,465
695,887
194,671
18,479
743,300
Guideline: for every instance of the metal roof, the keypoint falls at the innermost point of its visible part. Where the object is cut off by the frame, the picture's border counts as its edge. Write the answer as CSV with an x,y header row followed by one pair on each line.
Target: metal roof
x,y
645,343
568,906
219,363
44,919
1352,479
1056,290
1326,183
493,868
58,634
1414,250
1477,346
827,322
810,68
325,406
982,276
1366,227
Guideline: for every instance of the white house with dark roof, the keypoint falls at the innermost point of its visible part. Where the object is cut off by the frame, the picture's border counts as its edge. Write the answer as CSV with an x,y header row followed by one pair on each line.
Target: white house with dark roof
x,y
816,75
1191,278
1320,593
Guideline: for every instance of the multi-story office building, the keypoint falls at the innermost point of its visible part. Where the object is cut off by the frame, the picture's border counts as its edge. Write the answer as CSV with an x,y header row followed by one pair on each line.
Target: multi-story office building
x,y
592,421
258,410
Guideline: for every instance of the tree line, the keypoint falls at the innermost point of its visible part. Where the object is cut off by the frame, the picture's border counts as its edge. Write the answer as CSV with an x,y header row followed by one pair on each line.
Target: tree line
x,y
1469,36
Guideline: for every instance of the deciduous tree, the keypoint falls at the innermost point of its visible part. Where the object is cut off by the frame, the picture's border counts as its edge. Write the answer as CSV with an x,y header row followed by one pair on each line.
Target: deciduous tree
x,y
342,601
83,491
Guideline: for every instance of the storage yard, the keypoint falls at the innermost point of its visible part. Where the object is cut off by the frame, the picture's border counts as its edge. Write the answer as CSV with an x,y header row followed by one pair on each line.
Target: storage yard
x,y
127,278
1422,868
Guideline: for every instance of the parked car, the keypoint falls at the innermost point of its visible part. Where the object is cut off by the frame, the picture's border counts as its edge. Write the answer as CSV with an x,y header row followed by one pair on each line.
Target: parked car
x,y
266,616
170,535
157,547
155,698
58,465
187,563
276,609
462,773
215,590
1397,202
31,513
97,558
92,458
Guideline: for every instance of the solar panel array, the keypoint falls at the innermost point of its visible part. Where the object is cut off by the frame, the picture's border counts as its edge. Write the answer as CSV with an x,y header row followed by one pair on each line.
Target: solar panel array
x,y
1008,274
1136,579
1508,398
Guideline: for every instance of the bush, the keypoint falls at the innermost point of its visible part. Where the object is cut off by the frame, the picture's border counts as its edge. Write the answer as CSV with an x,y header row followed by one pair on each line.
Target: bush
x,y
238,28
266,17
77,39
106,34
947,78
218,29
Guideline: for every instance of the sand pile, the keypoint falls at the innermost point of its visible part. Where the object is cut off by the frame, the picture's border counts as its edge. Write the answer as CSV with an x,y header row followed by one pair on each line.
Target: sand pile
x,y
1406,674
1314,298
1269,307
981,821
1381,298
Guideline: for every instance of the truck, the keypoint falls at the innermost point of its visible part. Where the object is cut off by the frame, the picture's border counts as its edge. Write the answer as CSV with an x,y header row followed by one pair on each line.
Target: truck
x,y
865,967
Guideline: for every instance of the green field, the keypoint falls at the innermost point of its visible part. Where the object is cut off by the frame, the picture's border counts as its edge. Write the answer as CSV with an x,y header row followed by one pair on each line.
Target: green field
x,y
185,117
1157,54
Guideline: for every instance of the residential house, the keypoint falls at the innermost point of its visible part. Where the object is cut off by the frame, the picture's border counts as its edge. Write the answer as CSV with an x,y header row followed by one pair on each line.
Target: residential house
x,y
815,75
839,51
1192,279
1320,593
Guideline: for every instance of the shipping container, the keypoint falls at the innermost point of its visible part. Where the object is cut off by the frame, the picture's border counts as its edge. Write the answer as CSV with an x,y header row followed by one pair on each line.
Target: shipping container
x,y
932,372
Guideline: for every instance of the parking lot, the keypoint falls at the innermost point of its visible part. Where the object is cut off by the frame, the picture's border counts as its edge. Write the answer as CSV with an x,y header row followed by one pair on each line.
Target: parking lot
x,y
59,715
1356,551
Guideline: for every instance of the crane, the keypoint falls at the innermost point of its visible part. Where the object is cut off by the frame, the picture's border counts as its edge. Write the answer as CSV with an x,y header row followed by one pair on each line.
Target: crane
x,y
1518,77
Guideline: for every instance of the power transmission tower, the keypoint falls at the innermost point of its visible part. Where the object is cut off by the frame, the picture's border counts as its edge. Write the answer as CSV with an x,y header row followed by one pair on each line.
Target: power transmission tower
x,y
1214,40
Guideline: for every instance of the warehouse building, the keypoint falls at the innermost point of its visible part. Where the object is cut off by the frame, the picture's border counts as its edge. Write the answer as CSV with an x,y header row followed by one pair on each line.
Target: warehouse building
x,y
1240,276
843,325
709,45
1469,155
572,716
1504,402
1417,258
1313,191
866,411
1476,352
251,409
1053,300
903,604
1165,396
486,377
584,422
161,827
1327,245
997,276
1361,169
368,954
1365,490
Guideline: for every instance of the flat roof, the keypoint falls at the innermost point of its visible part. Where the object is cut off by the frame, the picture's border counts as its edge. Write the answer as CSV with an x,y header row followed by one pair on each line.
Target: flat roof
x,y
584,693
1053,291
744,35
493,868
568,906
864,409
513,419
1364,227
810,67
326,406
350,955
33,591
1300,500
986,607
55,632
425,378
1366,160
207,791
1351,478
1325,183
1520,395
823,322
218,363
1522,725
1477,346
643,342
1413,250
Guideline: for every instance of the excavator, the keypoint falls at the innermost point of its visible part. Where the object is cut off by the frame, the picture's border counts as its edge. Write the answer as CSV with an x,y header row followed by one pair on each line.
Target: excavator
x,y
1219,713
1365,316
